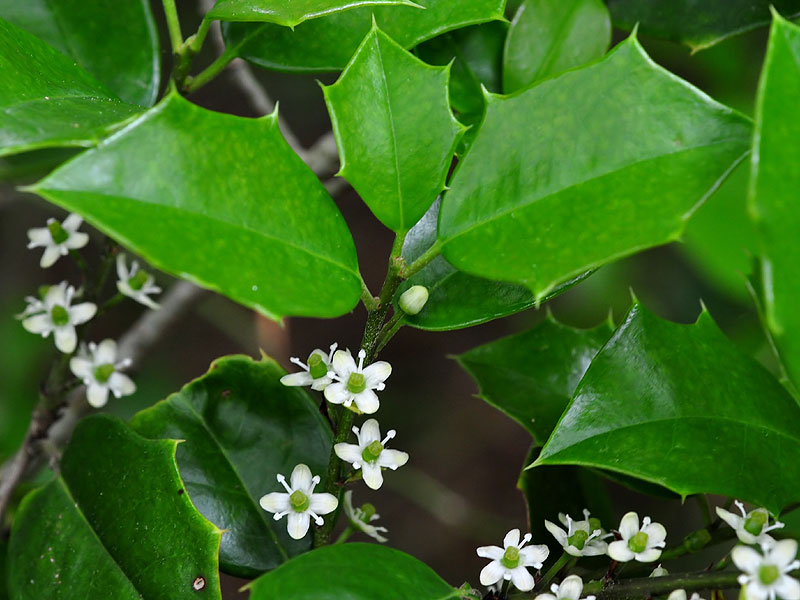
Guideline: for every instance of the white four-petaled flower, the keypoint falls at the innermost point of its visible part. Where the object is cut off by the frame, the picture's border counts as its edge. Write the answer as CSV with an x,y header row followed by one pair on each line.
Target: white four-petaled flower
x,y
360,518
570,589
317,373
511,561
99,370
136,283
641,543
57,239
766,576
54,314
356,383
371,454
299,502
582,538
751,527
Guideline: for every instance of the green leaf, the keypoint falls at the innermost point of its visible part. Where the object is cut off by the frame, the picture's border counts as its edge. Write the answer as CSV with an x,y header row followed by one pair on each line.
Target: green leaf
x,y
547,38
3,570
354,571
458,300
289,14
531,376
327,43
116,524
697,24
773,193
222,201
394,129
241,428
46,100
545,193
681,406
117,42
477,56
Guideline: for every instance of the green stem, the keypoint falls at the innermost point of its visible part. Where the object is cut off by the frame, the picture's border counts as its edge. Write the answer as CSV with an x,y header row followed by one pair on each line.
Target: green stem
x,y
369,301
553,571
504,588
111,302
705,509
388,331
345,535
81,262
193,84
173,25
645,587
424,260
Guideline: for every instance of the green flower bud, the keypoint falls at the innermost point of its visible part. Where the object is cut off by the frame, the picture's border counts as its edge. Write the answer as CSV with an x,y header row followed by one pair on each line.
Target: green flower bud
x,y
137,281
595,524
697,540
103,373
299,501
57,232
638,543
356,383
371,453
578,539
510,559
756,521
413,299
59,315
768,574
316,366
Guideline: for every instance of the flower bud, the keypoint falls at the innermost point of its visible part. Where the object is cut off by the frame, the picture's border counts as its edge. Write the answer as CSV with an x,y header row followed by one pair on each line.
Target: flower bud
x,y
697,540
413,299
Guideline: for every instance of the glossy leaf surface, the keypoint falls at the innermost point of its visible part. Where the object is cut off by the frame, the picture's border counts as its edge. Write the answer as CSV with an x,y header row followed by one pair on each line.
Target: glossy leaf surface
x,y
162,188
117,42
697,24
354,571
681,406
394,129
114,525
47,100
241,428
288,14
622,170
458,300
328,43
547,38
775,181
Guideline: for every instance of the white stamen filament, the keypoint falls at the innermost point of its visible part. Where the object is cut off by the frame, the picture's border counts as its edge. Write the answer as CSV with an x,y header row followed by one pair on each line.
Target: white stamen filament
x,y
389,435
525,539
333,349
298,362
317,519
776,525
282,480
741,508
362,354
279,515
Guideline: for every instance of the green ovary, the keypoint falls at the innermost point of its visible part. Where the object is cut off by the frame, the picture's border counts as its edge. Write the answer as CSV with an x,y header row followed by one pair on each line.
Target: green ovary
x,y
510,559
57,232
371,453
638,543
316,366
356,383
578,539
103,373
59,315
299,501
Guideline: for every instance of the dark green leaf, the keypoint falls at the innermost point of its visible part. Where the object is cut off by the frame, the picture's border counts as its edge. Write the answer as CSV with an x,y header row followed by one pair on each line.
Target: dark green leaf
x,y
288,14
353,571
697,24
545,193
531,376
241,428
46,100
477,56
395,132
775,180
114,525
456,299
681,406
547,38
117,42
220,200
327,43
3,571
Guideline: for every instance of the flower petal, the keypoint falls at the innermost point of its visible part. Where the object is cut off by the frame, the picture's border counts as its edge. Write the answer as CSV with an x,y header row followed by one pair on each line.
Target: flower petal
x,y
77,240
492,573
72,222
649,555
348,452
97,395
782,553
376,373
534,556
787,588
491,552
301,478
80,313
38,324
629,525
297,524
746,559
323,503
571,588
557,532
655,533
392,459
679,594
56,294
66,339
372,475
343,363
81,367
275,502
367,402
141,298
521,579
39,236
49,257
301,378
106,352
753,591
511,538
337,393
321,383
619,551
370,432
121,384
595,548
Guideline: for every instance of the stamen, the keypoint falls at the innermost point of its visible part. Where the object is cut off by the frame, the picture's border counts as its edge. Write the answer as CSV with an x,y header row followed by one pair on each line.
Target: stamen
x,y
70,293
569,526
645,522
282,480
741,507
355,430
525,538
124,364
776,525
356,466
279,515
362,354
317,519
594,534
791,566
298,362
333,349
586,513
554,589
380,387
389,435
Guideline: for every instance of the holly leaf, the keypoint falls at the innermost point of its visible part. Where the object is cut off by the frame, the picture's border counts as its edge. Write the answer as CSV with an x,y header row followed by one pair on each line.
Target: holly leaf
x,y
241,428
327,43
773,189
290,14
252,222
620,171
354,571
115,524
395,132
46,100
117,42
661,400
547,38
699,25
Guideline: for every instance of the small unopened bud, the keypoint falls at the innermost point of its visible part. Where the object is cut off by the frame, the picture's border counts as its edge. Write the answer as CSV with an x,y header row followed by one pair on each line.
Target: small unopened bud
x,y
413,299
659,571
697,540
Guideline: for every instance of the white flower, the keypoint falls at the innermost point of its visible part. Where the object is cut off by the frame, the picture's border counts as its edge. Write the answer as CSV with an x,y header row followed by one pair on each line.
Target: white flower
x,y
57,239
136,283
370,454
360,518
54,314
582,538
680,594
751,527
510,561
356,383
643,544
570,589
316,373
299,502
767,576
99,370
